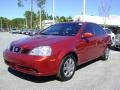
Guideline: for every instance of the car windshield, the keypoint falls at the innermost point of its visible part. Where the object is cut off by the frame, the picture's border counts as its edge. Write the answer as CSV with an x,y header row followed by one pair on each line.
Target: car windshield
x,y
62,29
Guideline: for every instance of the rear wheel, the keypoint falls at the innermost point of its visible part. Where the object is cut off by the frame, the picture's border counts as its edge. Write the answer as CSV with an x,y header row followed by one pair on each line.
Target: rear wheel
x,y
67,68
105,56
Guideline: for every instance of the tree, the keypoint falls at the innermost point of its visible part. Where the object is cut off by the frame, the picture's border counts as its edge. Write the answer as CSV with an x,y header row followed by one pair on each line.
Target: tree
x,y
57,18
28,20
104,9
5,23
20,4
43,15
62,19
17,23
69,18
1,23
40,4
50,17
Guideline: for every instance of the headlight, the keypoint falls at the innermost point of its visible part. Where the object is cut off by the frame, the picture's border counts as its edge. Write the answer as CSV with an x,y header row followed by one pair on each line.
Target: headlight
x,y
41,51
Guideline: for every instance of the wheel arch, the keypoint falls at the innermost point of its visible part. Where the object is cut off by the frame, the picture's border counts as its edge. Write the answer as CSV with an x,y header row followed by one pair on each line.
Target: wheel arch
x,y
74,54
69,53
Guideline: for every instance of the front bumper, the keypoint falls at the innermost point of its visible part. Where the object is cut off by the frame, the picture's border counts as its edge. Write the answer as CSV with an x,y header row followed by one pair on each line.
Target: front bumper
x,y
34,65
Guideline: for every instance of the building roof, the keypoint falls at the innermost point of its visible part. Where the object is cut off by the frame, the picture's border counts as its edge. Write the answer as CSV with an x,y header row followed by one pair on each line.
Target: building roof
x,y
113,20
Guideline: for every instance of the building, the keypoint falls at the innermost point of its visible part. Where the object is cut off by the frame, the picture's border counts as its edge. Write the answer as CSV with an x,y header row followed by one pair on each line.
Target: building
x,y
112,22
47,23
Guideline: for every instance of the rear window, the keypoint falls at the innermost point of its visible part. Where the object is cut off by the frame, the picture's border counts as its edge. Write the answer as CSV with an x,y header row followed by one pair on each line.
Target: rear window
x,y
108,31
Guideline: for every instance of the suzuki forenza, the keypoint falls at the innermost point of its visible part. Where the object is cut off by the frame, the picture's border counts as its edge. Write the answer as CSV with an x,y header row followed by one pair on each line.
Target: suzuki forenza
x,y
58,49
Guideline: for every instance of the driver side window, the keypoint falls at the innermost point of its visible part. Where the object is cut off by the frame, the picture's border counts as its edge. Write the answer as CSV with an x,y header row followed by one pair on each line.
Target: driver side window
x,y
88,29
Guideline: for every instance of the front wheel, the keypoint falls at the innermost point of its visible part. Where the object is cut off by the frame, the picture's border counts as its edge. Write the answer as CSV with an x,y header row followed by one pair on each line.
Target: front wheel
x,y
105,56
67,68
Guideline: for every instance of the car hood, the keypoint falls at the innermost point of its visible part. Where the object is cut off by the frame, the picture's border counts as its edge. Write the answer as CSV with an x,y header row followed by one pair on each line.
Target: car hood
x,y
41,40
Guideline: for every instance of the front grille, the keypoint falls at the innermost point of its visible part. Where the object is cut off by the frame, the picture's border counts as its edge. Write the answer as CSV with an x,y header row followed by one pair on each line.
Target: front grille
x,y
15,49
25,51
19,50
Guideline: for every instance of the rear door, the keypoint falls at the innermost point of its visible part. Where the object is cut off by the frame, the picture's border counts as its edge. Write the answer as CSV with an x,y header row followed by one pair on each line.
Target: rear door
x,y
101,37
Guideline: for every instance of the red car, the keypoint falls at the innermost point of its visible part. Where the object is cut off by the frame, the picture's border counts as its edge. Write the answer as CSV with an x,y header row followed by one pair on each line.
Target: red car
x,y
58,50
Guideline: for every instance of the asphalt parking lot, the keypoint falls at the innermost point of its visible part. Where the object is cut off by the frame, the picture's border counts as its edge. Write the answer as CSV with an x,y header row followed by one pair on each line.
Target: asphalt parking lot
x,y
95,75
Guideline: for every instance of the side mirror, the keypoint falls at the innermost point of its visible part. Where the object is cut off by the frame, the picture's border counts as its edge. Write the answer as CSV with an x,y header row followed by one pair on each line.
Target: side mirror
x,y
87,35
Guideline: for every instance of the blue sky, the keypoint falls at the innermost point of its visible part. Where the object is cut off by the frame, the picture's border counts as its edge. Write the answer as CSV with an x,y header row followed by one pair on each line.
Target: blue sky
x,y
9,8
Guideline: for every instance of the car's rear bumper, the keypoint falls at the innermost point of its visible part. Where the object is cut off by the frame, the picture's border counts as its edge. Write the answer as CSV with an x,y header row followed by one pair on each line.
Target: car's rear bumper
x,y
34,65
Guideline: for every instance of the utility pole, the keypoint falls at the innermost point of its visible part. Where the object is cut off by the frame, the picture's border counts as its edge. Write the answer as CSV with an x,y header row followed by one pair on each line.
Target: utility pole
x,y
31,14
84,9
53,13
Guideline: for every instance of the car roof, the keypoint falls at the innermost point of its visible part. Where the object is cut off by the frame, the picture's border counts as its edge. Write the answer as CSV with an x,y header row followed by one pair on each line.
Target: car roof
x,y
74,22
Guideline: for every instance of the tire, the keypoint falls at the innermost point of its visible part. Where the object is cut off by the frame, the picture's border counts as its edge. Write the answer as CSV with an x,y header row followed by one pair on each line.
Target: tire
x,y
105,56
67,68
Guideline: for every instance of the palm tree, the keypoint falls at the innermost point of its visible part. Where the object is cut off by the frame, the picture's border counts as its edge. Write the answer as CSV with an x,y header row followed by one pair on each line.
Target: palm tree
x,y
20,4
27,15
1,24
40,4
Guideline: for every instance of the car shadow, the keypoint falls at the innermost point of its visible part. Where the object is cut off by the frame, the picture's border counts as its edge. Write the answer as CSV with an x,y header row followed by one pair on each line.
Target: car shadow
x,y
39,79
86,64
36,79
114,49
